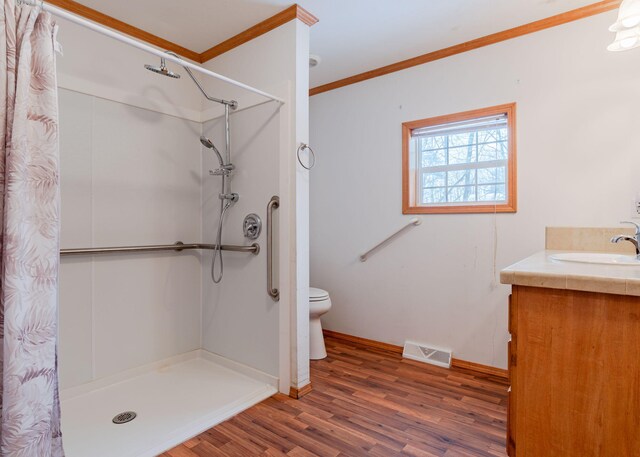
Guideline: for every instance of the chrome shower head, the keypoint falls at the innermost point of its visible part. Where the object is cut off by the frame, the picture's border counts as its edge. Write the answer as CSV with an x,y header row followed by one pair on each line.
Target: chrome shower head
x,y
207,143
162,69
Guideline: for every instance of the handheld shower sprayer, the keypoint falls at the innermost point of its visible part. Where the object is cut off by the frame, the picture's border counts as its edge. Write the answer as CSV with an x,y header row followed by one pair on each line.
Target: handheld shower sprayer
x,y
207,143
225,169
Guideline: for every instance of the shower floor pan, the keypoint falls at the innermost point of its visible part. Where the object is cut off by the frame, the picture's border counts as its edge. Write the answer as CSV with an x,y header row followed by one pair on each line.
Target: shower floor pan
x,y
174,400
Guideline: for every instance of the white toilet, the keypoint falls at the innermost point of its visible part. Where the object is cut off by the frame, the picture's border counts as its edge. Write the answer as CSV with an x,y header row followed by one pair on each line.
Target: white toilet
x,y
319,303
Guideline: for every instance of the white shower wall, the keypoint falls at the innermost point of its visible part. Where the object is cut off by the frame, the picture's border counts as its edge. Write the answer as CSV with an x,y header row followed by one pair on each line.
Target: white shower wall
x,y
239,320
97,65
129,176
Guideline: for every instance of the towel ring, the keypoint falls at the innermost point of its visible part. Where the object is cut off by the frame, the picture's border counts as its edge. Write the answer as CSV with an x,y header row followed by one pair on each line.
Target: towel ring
x,y
312,163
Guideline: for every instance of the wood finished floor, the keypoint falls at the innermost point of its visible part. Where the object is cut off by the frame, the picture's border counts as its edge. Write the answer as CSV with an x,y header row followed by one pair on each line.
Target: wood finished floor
x,y
368,402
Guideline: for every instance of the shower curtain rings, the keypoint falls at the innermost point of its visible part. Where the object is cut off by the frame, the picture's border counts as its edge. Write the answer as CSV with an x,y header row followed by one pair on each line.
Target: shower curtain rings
x,y
37,4
312,155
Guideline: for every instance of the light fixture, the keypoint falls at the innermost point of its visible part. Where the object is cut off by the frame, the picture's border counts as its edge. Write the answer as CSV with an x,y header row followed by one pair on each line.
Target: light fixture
x,y
627,27
625,40
628,16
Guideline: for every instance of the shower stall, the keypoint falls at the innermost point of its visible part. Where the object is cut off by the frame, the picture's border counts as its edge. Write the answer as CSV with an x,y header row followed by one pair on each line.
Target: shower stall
x,y
166,326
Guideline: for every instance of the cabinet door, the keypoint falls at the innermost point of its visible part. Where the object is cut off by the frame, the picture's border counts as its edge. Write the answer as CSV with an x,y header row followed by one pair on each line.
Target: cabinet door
x,y
576,376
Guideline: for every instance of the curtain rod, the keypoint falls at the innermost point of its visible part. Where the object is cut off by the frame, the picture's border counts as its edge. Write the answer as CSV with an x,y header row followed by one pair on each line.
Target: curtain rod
x,y
144,47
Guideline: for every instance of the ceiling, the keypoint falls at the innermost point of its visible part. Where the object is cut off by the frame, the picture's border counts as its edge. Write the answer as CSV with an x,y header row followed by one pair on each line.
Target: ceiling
x,y
351,37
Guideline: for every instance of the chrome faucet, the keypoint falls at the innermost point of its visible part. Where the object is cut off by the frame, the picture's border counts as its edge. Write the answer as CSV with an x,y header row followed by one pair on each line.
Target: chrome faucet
x,y
635,240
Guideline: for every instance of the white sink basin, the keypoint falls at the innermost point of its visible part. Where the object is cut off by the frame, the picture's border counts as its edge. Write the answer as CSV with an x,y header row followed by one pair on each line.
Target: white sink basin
x,y
603,259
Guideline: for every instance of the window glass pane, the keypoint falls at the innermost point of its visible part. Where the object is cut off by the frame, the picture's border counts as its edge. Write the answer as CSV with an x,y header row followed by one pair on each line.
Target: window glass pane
x,y
487,151
461,177
433,142
462,162
503,150
491,175
437,195
434,179
491,135
462,139
492,193
434,158
465,154
462,194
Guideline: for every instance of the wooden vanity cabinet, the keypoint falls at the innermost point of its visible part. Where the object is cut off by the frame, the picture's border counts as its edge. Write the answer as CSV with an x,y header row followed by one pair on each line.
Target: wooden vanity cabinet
x,y
574,369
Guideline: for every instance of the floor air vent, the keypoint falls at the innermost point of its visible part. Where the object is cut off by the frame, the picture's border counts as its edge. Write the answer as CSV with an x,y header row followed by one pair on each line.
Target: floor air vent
x,y
422,353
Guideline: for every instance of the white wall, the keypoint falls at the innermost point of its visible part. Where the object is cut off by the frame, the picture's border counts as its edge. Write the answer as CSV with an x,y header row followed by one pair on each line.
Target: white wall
x,y
577,166
301,368
129,176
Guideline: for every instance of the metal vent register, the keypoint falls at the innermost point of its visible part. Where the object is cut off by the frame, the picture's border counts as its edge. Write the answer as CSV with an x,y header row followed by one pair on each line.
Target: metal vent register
x,y
124,417
422,353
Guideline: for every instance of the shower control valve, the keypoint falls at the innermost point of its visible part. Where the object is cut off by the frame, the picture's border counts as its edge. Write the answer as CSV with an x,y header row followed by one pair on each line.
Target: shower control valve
x,y
252,226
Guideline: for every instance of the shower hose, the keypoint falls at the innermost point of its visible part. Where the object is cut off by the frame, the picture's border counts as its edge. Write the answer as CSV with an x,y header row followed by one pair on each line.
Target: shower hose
x,y
217,252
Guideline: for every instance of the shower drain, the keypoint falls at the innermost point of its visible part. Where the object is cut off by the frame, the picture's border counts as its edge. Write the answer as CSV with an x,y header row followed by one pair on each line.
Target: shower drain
x,y
124,417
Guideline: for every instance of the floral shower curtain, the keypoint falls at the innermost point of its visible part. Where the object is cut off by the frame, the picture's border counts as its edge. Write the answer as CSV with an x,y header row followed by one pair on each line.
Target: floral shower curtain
x,y
29,234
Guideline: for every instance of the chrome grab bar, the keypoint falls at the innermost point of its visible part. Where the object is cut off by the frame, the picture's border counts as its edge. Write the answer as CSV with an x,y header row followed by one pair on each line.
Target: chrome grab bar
x,y
178,246
274,203
412,222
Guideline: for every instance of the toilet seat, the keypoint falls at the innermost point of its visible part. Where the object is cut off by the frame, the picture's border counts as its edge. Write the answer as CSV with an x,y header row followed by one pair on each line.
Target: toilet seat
x,y
316,294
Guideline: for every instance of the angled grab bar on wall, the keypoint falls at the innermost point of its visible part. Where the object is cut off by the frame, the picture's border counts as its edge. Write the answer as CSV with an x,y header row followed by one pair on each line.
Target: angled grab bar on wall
x,y
178,246
414,221
274,203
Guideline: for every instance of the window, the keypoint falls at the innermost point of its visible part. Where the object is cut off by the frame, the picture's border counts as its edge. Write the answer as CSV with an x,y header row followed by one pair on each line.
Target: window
x,y
460,163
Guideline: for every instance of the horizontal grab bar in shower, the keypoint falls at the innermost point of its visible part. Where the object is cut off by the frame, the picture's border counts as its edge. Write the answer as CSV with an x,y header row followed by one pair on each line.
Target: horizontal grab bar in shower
x,y
178,246
412,222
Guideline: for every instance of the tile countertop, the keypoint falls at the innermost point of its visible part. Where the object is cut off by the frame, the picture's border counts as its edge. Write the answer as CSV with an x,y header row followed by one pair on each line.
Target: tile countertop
x,y
540,270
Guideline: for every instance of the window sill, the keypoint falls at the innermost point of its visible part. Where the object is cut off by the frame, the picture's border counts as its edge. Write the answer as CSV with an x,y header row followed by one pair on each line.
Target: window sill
x,y
462,209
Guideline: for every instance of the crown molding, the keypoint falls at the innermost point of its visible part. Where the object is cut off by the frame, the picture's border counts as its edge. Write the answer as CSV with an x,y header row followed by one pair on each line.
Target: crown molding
x,y
553,21
293,12
297,12
289,14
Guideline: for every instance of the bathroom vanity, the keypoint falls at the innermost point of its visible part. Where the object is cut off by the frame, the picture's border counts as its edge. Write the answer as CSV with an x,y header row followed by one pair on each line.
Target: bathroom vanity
x,y
574,358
